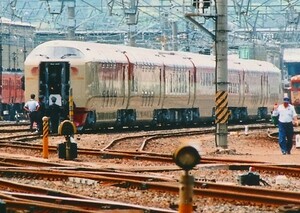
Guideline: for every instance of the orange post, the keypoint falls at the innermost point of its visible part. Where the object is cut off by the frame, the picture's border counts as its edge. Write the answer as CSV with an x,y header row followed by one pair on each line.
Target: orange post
x,y
71,106
186,193
45,137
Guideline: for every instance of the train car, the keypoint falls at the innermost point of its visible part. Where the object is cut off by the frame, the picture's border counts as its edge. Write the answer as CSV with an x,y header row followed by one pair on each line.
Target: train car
x,y
121,86
294,92
11,93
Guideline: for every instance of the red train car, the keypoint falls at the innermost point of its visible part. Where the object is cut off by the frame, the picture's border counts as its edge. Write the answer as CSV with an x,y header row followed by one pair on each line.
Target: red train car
x,y
295,92
11,93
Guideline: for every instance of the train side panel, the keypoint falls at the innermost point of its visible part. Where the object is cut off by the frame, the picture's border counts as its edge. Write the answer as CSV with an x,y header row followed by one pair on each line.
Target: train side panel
x,y
146,90
106,89
145,83
204,85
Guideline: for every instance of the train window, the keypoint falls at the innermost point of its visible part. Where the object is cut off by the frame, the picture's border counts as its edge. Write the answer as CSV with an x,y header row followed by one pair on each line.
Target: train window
x,y
296,85
202,79
62,52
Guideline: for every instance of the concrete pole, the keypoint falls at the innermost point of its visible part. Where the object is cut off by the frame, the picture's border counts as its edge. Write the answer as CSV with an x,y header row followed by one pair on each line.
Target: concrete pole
x,y
174,36
71,20
221,43
132,20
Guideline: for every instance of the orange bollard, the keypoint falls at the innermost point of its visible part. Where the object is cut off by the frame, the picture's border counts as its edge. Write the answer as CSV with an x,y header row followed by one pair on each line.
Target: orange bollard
x,y
186,193
71,106
45,137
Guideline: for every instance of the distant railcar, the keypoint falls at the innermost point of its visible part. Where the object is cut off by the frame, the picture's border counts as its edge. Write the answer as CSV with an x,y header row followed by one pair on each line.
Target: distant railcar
x,y
294,92
11,92
117,86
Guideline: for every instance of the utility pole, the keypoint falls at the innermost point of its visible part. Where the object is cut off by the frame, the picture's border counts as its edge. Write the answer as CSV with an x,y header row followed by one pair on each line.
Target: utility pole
x,y
71,20
221,70
221,42
131,13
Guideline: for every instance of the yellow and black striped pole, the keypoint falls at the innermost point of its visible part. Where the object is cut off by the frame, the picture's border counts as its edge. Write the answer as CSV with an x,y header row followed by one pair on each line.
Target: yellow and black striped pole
x,y
45,137
222,113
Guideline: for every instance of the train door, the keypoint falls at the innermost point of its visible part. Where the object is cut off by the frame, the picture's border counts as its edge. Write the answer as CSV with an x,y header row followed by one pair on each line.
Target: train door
x,y
263,89
243,87
266,90
54,81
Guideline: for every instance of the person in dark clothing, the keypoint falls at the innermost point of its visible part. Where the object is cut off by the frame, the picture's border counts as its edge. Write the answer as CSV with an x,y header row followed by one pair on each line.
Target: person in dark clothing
x,y
54,114
41,113
66,109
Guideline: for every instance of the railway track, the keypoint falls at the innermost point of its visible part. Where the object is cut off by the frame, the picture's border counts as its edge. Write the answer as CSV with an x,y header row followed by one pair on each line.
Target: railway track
x,y
142,182
139,149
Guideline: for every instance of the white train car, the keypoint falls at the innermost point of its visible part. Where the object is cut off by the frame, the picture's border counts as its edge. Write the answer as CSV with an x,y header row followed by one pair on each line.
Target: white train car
x,y
116,85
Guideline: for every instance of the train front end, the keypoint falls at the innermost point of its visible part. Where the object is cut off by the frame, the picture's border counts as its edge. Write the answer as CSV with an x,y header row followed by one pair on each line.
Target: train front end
x,y
50,71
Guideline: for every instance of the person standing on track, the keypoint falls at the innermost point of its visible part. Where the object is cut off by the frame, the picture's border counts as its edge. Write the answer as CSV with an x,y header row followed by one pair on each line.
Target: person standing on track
x,y
54,114
286,121
32,107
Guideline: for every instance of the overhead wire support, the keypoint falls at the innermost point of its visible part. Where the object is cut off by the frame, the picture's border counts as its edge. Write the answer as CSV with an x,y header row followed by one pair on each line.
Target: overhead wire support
x,y
189,17
221,46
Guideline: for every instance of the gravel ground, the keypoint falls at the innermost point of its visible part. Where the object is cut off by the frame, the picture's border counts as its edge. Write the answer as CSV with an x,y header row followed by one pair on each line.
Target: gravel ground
x,y
254,146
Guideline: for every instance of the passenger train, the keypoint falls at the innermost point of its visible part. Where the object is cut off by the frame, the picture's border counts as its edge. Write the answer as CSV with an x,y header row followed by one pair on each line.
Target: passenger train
x,y
121,86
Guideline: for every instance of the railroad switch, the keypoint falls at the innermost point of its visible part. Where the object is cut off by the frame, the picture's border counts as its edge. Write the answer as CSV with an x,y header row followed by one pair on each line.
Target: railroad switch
x,y
68,149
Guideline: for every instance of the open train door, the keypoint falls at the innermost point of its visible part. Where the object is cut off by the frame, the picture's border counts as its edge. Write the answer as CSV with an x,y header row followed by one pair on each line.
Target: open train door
x,y
54,81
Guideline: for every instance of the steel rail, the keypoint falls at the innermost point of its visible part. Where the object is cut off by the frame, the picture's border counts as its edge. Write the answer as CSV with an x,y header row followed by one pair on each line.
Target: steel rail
x,y
21,204
89,204
292,170
240,193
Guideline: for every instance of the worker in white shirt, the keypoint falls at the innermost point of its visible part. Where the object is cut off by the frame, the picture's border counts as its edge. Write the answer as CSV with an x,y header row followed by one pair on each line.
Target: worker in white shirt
x,y
286,121
32,107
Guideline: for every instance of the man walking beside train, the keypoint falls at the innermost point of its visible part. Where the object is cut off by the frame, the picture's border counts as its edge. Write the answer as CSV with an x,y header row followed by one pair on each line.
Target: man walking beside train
x,y
286,121
32,107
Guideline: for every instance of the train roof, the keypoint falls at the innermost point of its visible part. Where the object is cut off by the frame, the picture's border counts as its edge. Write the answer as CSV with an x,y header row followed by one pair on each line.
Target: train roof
x,y
260,66
251,65
140,55
201,60
75,50
295,78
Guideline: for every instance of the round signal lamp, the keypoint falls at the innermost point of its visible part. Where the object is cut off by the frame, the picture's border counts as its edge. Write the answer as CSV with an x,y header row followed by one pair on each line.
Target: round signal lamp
x,y
186,157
